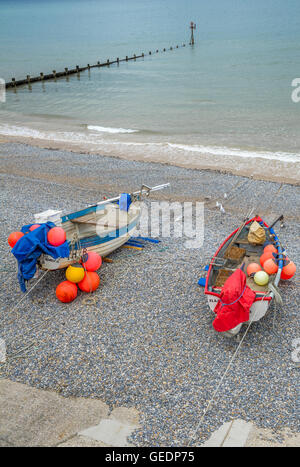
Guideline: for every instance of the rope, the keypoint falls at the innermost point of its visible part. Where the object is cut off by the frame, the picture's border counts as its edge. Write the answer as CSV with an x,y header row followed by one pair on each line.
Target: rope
x,y
84,251
229,304
18,353
275,290
220,382
278,302
25,295
90,300
75,247
272,198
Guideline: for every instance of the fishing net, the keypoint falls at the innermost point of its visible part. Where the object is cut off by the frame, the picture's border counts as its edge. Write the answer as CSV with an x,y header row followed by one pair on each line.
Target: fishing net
x,y
222,276
235,253
257,234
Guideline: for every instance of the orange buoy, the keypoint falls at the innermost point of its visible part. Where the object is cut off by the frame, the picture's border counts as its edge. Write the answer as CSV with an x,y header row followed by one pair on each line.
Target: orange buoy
x,y
66,291
265,256
14,237
288,271
56,236
270,248
252,268
92,262
90,282
270,266
34,226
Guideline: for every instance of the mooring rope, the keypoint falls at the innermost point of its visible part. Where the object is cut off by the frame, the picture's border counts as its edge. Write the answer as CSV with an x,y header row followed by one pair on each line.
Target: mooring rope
x,y
25,295
278,302
221,380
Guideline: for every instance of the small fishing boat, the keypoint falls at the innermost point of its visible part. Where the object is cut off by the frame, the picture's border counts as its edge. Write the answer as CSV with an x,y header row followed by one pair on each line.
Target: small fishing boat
x,y
102,227
234,253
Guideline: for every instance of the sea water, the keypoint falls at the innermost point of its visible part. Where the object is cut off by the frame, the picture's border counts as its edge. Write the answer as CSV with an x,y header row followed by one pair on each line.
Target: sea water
x,y
225,102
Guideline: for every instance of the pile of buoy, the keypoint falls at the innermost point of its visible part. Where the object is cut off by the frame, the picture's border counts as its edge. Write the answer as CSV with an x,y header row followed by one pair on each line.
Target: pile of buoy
x,y
83,275
80,275
55,236
269,265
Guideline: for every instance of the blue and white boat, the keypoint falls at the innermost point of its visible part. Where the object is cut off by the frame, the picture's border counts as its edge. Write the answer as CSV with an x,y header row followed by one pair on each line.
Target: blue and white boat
x,y
102,227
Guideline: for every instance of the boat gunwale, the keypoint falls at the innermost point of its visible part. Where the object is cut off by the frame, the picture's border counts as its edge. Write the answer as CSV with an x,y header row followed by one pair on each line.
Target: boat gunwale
x,y
82,212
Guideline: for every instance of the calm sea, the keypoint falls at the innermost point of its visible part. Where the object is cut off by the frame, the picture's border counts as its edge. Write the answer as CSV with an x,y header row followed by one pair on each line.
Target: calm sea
x,y
225,101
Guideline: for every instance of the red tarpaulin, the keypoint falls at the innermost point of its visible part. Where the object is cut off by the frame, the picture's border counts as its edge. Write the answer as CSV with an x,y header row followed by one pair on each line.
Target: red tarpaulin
x,y
235,302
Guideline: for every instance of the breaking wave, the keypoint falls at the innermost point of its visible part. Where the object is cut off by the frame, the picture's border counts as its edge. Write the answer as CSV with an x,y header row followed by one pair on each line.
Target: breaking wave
x,y
103,129
226,151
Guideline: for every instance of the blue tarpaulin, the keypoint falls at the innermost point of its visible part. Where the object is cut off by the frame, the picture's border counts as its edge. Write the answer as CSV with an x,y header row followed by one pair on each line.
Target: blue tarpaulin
x,y
125,201
30,247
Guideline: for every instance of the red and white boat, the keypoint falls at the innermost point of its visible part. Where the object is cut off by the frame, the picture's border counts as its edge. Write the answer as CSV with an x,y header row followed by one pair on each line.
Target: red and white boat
x,y
217,274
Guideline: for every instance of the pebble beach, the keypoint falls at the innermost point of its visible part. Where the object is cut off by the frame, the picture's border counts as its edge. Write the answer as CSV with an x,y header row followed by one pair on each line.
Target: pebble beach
x,y
145,339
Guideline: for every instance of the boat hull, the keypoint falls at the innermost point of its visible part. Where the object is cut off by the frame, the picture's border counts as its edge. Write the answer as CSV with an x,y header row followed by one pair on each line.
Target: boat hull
x,y
262,301
111,231
257,311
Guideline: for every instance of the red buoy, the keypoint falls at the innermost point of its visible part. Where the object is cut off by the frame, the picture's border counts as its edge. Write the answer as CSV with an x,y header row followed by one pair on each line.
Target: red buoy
x,y
270,248
56,236
270,266
288,271
34,226
252,268
14,237
91,261
265,256
90,282
66,291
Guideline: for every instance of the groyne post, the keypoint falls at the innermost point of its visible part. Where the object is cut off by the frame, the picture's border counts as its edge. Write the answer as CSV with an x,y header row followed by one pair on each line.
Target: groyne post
x,y
66,73
192,27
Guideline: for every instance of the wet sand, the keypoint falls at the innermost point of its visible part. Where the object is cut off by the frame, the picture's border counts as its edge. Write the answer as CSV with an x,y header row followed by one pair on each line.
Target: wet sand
x,y
252,167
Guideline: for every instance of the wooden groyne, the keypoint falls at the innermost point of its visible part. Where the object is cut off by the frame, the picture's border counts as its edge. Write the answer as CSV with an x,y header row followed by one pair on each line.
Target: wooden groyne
x,y
67,72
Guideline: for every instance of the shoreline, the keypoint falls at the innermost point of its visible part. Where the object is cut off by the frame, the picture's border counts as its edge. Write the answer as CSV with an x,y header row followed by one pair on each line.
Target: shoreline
x,y
109,175
272,173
